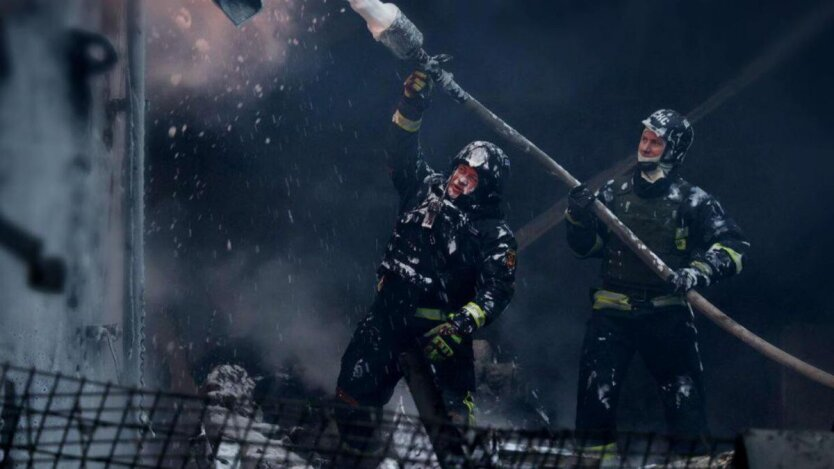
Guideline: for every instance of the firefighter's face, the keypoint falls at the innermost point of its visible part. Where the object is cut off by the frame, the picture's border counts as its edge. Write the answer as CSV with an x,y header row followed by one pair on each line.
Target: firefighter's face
x,y
463,181
651,146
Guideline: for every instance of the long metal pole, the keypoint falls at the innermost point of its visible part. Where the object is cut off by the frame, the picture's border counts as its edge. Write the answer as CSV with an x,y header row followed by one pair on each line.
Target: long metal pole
x,y
134,310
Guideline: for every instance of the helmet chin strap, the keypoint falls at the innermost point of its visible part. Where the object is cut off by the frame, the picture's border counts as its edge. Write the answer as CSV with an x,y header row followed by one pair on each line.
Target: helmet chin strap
x,y
651,169
647,166
654,175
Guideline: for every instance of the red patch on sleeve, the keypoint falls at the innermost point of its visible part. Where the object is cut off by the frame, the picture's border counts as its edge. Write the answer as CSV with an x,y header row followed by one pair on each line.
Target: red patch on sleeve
x,y
510,259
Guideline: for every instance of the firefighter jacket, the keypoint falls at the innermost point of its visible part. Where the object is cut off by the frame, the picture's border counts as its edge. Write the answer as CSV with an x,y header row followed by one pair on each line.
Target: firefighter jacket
x,y
455,254
680,222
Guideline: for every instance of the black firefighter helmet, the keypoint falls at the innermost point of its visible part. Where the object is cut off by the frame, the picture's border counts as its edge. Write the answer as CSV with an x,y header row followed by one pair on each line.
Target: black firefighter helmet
x,y
675,130
492,165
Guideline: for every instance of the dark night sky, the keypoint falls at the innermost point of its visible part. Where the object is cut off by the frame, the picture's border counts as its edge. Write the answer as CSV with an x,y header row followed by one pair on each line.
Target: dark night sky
x,y
278,240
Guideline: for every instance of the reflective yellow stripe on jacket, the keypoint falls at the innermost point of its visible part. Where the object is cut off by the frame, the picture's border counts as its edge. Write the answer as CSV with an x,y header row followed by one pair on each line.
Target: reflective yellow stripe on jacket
x,y
606,299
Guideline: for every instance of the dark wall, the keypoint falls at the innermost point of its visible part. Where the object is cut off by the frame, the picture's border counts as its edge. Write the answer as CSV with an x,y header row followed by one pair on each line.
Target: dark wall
x,y
268,211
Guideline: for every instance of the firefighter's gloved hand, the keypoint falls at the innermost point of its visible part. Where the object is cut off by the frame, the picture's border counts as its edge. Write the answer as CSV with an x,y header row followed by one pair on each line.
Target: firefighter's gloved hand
x,y
446,339
417,91
580,199
687,278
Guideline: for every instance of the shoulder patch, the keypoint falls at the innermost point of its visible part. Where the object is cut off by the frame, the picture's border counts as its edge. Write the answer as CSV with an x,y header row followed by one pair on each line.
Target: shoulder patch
x,y
510,259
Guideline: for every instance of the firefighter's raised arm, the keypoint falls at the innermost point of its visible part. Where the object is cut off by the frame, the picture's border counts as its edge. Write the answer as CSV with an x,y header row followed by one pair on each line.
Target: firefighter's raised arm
x,y
402,151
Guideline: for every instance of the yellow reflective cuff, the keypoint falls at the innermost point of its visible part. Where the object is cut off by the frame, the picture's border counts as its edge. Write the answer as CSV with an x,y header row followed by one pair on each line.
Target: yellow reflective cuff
x,y
475,312
405,123
734,255
703,267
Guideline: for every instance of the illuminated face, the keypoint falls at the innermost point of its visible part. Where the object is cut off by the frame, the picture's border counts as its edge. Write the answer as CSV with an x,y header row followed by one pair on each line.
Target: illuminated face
x,y
651,146
462,182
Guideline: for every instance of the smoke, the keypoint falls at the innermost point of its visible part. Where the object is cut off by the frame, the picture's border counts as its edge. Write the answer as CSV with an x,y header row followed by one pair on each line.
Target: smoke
x,y
282,309
199,65
192,46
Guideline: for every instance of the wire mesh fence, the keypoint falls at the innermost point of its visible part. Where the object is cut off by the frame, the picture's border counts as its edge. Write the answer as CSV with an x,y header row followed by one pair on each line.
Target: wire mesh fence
x,y
51,420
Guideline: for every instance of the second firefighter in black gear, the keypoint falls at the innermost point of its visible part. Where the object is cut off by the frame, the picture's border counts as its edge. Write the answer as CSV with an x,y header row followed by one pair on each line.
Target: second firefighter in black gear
x,y
635,310
448,269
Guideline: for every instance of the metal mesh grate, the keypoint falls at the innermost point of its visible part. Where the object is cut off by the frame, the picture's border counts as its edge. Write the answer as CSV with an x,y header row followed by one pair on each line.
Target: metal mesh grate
x,y
51,420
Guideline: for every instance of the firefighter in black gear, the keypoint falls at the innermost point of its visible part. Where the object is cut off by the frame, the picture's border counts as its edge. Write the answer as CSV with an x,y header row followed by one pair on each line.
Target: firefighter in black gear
x,y
635,310
448,269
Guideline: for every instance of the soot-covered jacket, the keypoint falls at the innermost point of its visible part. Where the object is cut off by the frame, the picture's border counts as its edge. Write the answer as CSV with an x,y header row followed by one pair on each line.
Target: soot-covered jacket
x,y
462,255
680,222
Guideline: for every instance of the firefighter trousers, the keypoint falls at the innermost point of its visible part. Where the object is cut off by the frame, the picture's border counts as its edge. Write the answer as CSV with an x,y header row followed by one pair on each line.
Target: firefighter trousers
x,y
370,367
666,339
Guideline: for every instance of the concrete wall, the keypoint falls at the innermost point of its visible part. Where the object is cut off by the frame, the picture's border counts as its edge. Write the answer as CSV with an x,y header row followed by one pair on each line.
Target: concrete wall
x,y
60,179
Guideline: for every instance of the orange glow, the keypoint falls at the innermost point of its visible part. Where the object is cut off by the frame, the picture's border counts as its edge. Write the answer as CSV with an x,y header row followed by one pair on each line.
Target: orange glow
x,y
192,45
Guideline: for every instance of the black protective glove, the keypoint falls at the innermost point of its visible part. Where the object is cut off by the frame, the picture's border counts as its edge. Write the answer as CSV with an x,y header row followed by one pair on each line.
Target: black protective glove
x,y
687,278
446,339
580,200
416,94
